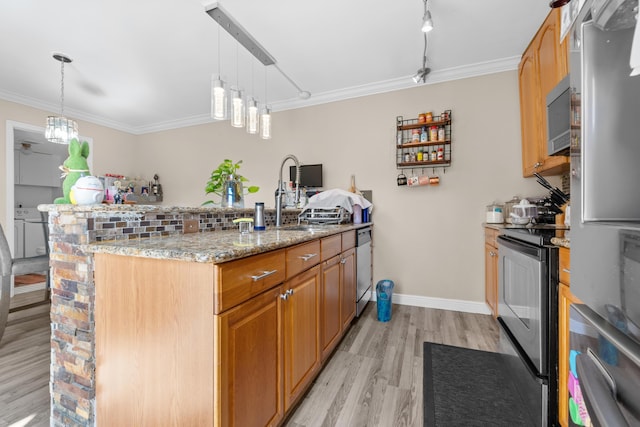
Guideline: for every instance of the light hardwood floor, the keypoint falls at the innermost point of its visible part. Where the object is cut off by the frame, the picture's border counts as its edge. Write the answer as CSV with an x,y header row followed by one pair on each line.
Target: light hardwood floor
x,y
374,378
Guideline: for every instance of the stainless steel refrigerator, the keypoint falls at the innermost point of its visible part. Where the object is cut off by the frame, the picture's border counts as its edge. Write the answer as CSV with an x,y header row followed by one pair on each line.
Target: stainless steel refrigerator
x,y
604,358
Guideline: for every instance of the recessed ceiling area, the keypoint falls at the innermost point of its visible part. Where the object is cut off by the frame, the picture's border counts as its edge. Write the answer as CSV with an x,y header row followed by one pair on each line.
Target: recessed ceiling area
x,y
141,66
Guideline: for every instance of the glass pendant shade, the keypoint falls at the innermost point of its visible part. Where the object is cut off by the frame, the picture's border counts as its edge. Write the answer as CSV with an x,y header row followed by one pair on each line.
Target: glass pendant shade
x,y
218,99
427,23
60,130
253,123
237,109
265,123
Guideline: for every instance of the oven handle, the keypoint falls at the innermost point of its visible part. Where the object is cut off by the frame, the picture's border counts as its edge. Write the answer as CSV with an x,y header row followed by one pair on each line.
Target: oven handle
x,y
528,363
523,248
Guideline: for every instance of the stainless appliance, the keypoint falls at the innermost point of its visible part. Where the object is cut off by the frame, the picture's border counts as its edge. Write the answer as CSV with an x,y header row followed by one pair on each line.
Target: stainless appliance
x,y
528,307
605,218
363,268
558,119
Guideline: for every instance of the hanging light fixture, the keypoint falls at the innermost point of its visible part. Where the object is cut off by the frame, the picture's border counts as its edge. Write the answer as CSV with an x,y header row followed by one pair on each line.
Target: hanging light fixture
x,y
60,129
427,22
253,124
265,114
237,103
218,92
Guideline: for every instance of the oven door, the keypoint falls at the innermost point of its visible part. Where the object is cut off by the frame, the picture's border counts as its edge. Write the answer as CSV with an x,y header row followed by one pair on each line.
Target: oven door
x,y
523,296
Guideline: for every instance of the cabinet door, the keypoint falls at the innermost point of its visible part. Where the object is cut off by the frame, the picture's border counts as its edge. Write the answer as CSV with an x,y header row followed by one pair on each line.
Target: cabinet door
x,y
348,280
249,362
39,169
566,299
543,65
301,338
529,112
330,318
491,278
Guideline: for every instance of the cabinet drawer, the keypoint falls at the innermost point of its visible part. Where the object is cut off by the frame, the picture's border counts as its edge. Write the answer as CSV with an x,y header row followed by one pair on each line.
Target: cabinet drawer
x,y
490,236
330,246
348,240
237,281
565,265
301,257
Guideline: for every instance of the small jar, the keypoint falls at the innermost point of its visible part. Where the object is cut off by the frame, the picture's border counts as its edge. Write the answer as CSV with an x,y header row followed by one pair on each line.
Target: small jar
x,y
422,118
441,133
420,155
412,157
434,155
434,133
407,156
423,135
415,135
429,116
440,155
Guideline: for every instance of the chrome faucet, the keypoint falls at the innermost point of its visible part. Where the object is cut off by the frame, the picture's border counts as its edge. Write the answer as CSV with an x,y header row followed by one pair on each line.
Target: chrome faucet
x,y
281,188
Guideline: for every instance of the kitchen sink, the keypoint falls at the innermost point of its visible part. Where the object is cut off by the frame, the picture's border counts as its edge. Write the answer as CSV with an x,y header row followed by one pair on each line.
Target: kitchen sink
x,y
307,227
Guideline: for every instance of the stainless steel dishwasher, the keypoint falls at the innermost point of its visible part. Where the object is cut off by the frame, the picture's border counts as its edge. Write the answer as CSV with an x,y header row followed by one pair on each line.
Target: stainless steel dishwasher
x,y
363,268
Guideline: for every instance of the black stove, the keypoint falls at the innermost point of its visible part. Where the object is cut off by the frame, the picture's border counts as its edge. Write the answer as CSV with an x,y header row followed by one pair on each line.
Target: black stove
x,y
537,234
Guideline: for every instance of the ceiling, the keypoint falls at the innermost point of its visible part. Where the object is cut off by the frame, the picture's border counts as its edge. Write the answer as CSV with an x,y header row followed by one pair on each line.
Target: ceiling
x,y
142,66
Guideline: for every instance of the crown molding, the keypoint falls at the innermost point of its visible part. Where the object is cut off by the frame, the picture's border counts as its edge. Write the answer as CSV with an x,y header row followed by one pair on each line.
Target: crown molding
x,y
438,76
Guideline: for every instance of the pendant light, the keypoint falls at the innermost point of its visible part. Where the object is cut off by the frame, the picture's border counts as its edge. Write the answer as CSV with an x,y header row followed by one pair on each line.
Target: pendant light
x,y
237,103
253,120
61,130
265,114
218,92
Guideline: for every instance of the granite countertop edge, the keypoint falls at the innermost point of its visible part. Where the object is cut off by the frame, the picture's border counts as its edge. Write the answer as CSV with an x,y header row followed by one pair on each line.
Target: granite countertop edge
x,y
216,246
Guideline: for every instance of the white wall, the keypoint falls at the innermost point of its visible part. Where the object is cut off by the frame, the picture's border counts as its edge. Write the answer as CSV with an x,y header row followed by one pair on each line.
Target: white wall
x,y
429,240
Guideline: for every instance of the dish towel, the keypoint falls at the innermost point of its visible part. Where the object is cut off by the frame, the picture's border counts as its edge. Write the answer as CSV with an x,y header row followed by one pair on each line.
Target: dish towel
x,y
337,198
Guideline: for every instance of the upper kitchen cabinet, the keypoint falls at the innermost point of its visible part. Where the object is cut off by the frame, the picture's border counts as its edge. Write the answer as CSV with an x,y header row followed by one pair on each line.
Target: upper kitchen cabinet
x,y
543,65
38,169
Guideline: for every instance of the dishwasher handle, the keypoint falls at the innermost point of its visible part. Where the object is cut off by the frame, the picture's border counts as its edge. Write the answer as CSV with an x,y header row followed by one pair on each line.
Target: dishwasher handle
x,y
363,236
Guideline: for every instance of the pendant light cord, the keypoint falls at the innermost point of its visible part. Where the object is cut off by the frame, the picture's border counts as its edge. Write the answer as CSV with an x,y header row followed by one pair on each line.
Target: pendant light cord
x,y
219,76
62,88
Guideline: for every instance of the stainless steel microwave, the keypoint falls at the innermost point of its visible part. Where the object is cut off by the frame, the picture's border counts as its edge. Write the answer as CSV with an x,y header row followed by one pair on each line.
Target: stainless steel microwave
x,y
559,119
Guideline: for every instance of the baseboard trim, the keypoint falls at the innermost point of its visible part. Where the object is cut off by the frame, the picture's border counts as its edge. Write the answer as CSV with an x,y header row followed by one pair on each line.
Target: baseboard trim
x,y
439,303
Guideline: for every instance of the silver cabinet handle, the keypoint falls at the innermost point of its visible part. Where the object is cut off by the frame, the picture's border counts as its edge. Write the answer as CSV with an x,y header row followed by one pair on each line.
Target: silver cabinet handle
x,y
263,275
343,260
566,271
284,296
491,253
537,165
307,257
289,292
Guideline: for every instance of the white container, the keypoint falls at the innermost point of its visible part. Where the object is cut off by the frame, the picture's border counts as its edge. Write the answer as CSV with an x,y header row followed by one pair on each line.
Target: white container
x,y
495,214
87,190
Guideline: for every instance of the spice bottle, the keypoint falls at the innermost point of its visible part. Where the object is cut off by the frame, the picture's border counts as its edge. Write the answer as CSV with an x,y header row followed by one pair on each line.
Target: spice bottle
x,y
423,135
420,155
433,155
434,133
406,157
440,154
441,133
415,135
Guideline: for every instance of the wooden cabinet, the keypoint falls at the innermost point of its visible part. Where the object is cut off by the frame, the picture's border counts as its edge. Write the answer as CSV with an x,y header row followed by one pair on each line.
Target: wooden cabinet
x,y
301,325
229,344
338,294
252,355
491,269
348,282
566,298
543,65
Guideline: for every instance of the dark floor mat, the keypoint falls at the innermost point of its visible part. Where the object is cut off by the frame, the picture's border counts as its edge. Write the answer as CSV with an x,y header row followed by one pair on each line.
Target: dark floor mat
x,y
464,387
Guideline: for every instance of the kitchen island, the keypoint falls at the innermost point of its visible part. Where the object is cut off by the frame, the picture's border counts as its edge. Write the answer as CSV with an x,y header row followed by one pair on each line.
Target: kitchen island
x,y
140,309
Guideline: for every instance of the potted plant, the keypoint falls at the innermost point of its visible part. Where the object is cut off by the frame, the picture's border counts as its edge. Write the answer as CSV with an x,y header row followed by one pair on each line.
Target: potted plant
x,y
227,183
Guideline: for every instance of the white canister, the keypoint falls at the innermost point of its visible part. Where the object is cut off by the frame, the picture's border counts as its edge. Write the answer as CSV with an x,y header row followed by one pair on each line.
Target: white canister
x,y
494,217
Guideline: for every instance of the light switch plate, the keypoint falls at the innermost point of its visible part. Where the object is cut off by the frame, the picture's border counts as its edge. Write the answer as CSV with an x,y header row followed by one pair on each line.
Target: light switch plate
x,y
191,226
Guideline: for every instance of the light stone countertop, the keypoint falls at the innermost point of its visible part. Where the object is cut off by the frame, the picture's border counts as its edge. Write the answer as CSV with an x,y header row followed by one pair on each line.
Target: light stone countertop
x,y
216,246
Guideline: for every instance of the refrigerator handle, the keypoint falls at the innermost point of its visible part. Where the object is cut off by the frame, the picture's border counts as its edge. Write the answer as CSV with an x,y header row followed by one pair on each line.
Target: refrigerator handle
x,y
617,338
602,406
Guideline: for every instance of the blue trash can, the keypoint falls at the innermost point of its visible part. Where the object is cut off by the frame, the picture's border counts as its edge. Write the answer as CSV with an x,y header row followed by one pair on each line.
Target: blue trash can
x,y
384,292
